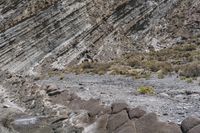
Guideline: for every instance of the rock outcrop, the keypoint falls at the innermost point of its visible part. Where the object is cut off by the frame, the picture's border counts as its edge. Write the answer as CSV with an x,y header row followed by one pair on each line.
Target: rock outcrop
x,y
38,35
189,123
69,31
50,108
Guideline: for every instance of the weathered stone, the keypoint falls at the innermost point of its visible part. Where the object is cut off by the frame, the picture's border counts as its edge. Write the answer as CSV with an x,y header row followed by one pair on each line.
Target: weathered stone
x,y
128,127
50,88
42,35
136,113
195,129
117,120
30,124
118,107
5,130
69,130
30,30
145,123
99,126
167,128
150,124
42,130
189,123
45,129
92,106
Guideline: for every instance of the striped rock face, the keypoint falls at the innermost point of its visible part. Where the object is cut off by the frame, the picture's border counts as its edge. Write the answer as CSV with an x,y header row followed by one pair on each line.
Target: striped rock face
x,y
58,33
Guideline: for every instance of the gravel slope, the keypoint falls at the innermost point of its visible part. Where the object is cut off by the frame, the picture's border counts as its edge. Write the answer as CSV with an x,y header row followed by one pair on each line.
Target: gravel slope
x,y
174,99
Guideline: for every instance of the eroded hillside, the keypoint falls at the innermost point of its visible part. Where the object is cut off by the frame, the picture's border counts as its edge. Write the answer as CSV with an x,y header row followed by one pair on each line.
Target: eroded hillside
x,y
71,31
97,66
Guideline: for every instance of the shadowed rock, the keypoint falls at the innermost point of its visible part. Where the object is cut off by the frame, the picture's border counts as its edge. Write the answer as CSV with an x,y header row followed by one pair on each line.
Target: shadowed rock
x,y
136,113
117,120
195,129
189,123
118,107
150,124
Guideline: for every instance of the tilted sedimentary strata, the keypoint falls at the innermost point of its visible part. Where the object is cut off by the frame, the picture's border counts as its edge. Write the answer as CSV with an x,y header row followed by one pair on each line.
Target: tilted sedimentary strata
x,y
37,35
69,31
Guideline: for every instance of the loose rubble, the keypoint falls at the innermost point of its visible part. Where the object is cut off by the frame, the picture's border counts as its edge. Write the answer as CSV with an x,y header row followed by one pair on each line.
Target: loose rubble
x,y
59,110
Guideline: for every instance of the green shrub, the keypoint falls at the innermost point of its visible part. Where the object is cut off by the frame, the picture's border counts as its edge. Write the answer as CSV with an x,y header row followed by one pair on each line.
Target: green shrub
x,y
146,90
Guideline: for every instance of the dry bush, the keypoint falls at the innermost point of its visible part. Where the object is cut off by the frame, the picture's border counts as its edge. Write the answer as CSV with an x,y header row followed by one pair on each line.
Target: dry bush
x,y
86,67
123,70
190,70
155,66
141,65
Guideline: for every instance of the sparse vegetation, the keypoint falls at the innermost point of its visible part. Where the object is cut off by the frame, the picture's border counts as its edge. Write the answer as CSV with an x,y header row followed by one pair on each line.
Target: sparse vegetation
x,y
86,67
62,76
190,70
182,59
189,80
160,74
146,90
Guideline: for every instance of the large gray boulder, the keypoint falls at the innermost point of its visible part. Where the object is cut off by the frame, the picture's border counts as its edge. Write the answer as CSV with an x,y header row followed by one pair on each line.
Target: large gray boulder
x,y
150,124
26,124
128,127
189,123
117,120
99,126
136,113
196,129
117,107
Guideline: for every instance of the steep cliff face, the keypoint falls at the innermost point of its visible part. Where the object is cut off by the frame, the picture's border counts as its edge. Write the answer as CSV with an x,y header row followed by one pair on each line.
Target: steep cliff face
x,y
65,32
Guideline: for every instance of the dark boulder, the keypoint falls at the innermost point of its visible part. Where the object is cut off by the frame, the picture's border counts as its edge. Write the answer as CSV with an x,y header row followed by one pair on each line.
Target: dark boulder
x,y
117,120
136,113
195,129
150,124
189,123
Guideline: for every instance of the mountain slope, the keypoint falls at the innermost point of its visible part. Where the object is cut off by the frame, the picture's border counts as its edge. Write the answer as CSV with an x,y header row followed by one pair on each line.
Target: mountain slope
x,y
69,31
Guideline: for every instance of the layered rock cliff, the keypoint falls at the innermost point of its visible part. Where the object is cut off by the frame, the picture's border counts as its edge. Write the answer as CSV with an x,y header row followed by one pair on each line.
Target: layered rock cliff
x,y
40,37
70,30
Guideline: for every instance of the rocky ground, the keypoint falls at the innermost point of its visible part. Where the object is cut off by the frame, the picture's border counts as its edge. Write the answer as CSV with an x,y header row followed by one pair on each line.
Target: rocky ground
x,y
152,43
97,104
174,99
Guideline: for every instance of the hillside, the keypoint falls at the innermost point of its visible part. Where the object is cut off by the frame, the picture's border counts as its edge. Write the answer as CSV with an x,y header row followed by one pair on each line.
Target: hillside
x,y
71,31
97,66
